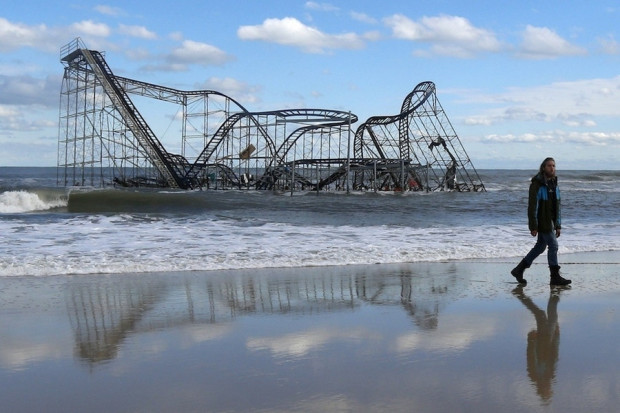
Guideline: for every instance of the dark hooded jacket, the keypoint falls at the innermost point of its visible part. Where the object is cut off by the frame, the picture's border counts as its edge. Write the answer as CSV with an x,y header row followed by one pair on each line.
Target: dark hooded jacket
x,y
543,210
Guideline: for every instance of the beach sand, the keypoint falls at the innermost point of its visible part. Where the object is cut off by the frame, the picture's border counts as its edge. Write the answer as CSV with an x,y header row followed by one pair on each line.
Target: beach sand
x,y
425,337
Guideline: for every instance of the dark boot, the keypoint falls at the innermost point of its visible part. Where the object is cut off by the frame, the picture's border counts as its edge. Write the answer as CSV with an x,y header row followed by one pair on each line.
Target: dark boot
x,y
556,278
517,271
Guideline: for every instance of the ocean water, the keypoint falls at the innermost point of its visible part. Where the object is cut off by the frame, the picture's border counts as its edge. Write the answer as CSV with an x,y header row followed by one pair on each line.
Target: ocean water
x,y
46,230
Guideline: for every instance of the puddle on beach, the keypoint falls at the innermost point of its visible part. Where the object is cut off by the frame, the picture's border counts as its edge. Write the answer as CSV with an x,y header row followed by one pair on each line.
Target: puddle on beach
x,y
421,337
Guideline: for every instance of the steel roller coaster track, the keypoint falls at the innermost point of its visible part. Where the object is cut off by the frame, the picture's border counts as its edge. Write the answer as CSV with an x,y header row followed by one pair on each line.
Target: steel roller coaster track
x,y
104,139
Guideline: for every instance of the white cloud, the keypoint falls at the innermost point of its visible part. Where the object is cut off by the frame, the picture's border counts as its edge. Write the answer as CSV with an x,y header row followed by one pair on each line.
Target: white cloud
x,y
544,43
137,31
19,69
312,5
291,32
522,114
237,90
516,113
165,67
188,53
27,90
448,35
7,111
591,138
109,10
609,45
363,17
478,120
22,119
16,35
192,52
603,139
576,120
572,103
523,138
138,54
91,28
176,36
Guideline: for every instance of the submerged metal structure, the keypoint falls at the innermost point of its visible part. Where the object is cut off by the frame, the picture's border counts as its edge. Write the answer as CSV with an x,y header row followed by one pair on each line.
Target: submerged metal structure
x,y
415,149
104,139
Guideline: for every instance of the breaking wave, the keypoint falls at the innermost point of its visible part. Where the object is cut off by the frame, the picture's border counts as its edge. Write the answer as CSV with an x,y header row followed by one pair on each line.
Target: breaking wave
x,y
12,202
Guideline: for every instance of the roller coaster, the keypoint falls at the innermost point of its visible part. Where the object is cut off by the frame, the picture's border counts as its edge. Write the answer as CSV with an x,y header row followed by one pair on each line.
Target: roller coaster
x,y
105,140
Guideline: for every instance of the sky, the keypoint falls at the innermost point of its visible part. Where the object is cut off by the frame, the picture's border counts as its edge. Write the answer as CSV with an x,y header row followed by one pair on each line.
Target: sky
x,y
519,81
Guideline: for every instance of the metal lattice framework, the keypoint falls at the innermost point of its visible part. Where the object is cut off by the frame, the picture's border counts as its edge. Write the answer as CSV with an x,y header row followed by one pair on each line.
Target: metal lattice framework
x,y
104,139
419,148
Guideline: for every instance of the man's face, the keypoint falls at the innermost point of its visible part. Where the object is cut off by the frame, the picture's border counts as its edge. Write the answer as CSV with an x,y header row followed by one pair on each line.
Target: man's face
x,y
550,169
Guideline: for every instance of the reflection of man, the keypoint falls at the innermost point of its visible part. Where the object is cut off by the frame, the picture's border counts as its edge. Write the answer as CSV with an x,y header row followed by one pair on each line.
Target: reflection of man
x,y
543,343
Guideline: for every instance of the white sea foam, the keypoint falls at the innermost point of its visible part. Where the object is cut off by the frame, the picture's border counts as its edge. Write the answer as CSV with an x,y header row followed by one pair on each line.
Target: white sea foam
x,y
113,231
24,201
117,244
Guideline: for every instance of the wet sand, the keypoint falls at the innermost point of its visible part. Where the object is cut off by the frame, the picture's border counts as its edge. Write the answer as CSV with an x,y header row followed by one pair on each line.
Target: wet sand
x,y
424,337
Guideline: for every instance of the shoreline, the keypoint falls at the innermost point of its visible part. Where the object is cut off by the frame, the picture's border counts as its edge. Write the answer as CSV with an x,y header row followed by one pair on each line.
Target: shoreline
x,y
340,338
566,259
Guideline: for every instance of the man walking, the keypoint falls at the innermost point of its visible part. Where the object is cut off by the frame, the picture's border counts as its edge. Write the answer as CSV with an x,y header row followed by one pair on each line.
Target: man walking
x,y
545,221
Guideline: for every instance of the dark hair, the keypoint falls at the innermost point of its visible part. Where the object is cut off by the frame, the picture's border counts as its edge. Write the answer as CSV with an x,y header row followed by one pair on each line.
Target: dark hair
x,y
544,163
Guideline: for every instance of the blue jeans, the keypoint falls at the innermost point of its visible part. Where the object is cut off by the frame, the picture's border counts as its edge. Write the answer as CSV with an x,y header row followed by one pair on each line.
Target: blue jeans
x,y
544,240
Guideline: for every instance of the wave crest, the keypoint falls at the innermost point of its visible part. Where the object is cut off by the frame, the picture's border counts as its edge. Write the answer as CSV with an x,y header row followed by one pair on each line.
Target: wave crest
x,y
25,201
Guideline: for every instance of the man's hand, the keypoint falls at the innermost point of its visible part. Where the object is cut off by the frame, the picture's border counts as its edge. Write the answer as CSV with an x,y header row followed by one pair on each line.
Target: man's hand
x,y
534,233
557,232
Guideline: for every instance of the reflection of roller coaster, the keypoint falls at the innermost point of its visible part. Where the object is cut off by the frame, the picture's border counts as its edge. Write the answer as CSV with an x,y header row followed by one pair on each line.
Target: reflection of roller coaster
x,y
104,139
105,312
